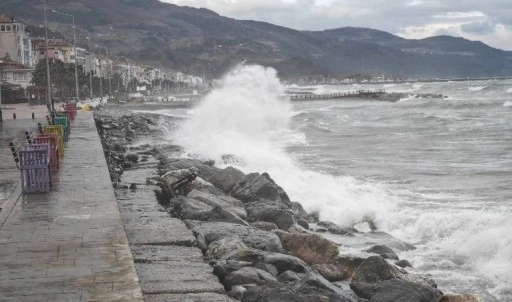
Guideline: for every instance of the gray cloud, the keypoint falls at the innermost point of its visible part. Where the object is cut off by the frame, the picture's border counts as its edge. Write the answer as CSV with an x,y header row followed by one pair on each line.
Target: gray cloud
x,y
479,27
472,19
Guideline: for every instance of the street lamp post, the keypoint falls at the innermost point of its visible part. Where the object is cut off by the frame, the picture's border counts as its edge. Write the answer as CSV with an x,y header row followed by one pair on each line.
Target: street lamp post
x,y
74,49
49,88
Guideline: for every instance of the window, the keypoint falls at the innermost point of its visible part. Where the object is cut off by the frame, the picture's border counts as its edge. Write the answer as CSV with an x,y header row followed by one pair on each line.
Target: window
x,y
15,76
2,28
41,52
7,28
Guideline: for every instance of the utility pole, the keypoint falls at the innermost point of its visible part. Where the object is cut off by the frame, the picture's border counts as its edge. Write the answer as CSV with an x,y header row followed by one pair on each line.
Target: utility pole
x,y
101,81
90,59
109,77
49,86
74,49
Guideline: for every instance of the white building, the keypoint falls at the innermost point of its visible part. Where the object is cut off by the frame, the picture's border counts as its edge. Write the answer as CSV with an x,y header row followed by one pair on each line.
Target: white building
x,y
15,41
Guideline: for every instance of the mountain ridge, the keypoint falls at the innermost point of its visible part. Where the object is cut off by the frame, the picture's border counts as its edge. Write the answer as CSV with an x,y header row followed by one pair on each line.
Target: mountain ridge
x,y
201,41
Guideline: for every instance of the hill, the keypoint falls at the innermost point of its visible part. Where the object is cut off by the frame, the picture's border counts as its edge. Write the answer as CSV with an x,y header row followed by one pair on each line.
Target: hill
x,y
201,41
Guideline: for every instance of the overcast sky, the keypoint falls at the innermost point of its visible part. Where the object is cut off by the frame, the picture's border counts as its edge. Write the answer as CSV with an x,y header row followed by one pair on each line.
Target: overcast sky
x,y
487,20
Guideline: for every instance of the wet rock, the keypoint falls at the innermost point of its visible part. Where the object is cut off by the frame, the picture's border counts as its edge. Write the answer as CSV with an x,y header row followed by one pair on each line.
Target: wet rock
x,y
311,248
268,293
269,268
334,228
260,211
282,262
403,263
226,202
248,275
298,210
218,214
255,186
132,157
313,279
173,164
383,251
265,226
237,292
289,277
222,269
386,239
466,297
303,223
348,264
222,247
226,179
331,272
209,232
189,208
370,273
264,241
397,290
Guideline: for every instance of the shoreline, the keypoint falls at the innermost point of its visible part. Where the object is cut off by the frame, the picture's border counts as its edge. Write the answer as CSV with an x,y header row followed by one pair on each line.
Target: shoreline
x,y
249,230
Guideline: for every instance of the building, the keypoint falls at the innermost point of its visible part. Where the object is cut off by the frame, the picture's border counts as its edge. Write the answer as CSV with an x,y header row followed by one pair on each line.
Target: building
x,y
15,73
15,41
58,50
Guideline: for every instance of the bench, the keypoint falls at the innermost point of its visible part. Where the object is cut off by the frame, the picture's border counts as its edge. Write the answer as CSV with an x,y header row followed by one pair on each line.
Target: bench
x,y
34,162
71,109
50,139
56,129
62,121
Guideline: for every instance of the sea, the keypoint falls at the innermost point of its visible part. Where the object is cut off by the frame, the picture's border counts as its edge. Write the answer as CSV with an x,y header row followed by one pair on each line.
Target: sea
x,y
436,173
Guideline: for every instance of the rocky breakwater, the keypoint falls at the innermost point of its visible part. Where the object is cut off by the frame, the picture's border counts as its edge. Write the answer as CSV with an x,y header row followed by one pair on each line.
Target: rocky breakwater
x,y
261,245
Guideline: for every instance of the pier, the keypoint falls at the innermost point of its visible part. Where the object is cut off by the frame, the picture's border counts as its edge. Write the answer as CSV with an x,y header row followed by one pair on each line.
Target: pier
x,y
329,96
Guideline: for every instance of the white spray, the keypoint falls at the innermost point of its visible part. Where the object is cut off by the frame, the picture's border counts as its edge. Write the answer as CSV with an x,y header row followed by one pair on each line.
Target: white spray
x,y
247,117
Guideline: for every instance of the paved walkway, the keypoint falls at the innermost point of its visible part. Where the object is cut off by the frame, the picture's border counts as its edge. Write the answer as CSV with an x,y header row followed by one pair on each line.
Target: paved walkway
x,y
70,244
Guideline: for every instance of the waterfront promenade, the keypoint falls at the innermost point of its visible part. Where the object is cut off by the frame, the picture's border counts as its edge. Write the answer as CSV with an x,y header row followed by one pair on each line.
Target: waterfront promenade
x,y
70,244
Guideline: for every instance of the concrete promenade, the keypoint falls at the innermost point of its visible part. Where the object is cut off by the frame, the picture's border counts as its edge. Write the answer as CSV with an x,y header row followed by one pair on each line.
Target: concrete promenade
x,y
70,244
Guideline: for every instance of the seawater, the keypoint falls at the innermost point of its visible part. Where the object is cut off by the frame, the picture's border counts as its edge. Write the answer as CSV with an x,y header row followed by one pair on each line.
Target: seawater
x,y
434,172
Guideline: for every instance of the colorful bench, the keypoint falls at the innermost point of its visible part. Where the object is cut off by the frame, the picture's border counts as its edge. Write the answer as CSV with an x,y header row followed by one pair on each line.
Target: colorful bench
x,y
34,162
62,121
56,129
53,141
71,109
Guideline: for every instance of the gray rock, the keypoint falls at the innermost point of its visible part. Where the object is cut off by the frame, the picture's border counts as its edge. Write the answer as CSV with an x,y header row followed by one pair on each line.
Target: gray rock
x,y
282,262
177,163
265,226
248,275
282,293
237,292
255,186
334,228
303,223
397,290
370,273
219,214
189,208
226,179
403,263
298,210
313,279
330,272
222,247
383,251
226,202
223,268
269,268
264,241
132,157
283,218
289,277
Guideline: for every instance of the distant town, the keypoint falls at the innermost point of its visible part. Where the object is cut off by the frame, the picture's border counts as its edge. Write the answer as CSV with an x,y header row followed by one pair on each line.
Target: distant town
x,y
95,71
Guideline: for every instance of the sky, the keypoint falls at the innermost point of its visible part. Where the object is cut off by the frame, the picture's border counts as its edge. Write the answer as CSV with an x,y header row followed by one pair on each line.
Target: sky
x,y
489,21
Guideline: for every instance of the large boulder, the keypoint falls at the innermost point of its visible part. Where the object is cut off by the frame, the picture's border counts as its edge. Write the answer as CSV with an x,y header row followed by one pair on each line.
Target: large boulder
x,y
281,293
226,179
311,248
331,272
204,170
383,251
264,241
313,279
397,290
226,202
348,264
219,214
261,211
265,226
208,232
333,228
248,275
281,262
189,208
370,273
289,277
223,268
222,247
466,297
255,186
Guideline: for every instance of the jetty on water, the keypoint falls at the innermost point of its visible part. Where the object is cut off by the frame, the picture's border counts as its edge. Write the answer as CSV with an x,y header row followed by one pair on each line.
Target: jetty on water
x,y
347,94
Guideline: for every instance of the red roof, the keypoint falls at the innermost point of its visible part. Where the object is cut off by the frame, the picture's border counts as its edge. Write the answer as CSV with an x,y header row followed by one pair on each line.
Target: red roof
x,y
6,19
12,65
